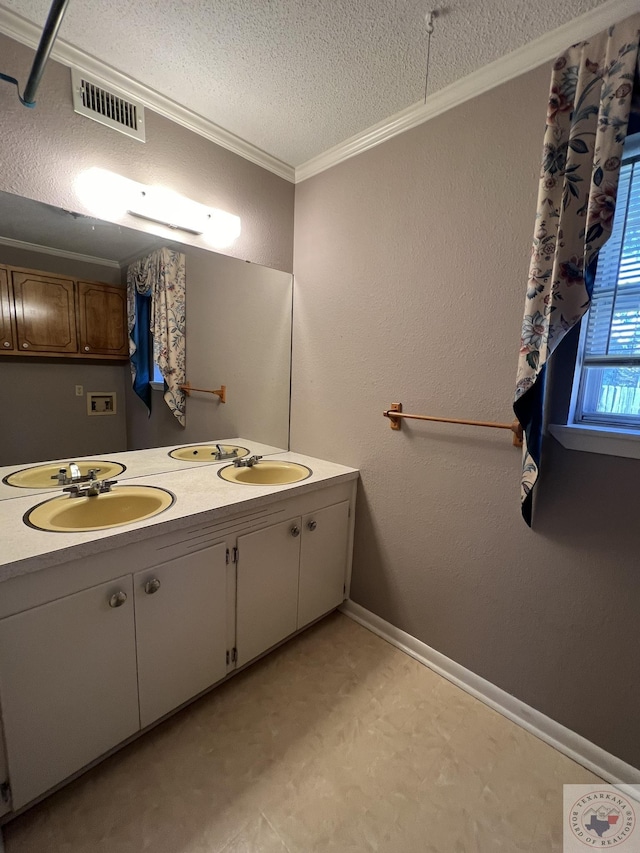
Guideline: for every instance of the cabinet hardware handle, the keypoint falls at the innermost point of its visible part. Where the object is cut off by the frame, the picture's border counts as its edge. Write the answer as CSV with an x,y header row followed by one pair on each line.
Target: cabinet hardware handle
x,y
295,531
86,349
25,346
6,344
312,525
118,599
152,586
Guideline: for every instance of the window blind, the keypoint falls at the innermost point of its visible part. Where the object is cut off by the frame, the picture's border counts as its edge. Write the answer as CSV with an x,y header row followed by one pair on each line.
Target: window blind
x,y
613,327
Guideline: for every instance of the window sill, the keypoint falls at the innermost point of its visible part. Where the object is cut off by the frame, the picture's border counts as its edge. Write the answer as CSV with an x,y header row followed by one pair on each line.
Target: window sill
x,y
157,386
593,439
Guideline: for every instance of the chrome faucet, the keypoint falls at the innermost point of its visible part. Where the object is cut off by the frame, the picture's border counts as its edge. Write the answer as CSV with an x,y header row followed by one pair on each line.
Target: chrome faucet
x,y
74,475
221,453
247,462
95,488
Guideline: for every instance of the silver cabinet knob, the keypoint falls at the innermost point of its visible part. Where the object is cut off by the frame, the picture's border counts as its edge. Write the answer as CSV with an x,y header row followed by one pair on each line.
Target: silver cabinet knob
x,y
86,349
6,344
118,599
25,346
295,531
311,525
152,586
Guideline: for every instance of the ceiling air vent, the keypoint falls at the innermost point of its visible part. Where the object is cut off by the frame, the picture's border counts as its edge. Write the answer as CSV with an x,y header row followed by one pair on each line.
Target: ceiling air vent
x,y
93,99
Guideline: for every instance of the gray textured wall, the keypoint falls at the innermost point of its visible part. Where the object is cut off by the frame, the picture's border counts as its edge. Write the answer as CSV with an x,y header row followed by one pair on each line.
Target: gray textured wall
x,y
45,420
44,149
411,262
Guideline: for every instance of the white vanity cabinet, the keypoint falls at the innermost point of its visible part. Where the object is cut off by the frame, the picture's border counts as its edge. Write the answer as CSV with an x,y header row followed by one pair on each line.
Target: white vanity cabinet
x,y
68,684
181,630
324,551
290,574
89,656
268,563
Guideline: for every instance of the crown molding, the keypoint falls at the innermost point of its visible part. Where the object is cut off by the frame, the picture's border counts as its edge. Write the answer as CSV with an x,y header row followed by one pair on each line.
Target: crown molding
x,y
59,253
525,58
25,32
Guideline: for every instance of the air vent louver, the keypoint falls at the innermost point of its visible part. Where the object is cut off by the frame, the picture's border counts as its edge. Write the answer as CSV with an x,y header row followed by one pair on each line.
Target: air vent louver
x,y
93,99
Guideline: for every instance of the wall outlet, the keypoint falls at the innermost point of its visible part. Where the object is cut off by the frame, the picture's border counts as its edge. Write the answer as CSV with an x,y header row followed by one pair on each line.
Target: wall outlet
x,y
79,391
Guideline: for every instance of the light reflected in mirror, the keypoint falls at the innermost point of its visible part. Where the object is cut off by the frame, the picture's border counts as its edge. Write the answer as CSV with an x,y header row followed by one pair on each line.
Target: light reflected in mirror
x,y
238,335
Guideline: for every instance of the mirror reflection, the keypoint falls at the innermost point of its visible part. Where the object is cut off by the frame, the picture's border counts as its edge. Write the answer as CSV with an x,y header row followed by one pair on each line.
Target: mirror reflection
x,y
69,405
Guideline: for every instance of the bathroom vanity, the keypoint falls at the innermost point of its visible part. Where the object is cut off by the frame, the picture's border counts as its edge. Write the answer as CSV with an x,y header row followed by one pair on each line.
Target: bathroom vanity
x,y
104,633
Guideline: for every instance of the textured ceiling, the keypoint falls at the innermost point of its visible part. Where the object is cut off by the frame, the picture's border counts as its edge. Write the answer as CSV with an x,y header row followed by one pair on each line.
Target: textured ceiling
x,y
295,77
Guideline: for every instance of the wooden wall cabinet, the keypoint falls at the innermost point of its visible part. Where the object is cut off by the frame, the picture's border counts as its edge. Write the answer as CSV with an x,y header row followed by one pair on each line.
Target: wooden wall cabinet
x,y
102,319
45,313
55,316
7,330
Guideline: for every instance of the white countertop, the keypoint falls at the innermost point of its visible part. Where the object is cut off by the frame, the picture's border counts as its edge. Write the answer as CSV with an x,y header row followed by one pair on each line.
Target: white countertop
x,y
198,491
138,463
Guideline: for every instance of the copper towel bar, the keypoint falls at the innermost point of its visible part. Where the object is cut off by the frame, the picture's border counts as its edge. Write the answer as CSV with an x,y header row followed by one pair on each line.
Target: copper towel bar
x,y
220,392
395,414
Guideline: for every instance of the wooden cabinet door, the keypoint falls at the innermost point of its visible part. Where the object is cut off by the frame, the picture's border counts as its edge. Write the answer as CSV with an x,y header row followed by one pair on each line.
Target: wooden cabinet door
x,y
323,561
102,318
45,313
181,630
267,588
68,686
7,335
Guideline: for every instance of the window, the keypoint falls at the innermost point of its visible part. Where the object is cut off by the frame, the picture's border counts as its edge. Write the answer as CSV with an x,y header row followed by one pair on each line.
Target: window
x,y
607,379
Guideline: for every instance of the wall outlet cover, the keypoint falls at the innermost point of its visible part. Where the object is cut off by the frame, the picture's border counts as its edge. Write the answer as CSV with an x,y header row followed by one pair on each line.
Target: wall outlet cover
x,y
101,403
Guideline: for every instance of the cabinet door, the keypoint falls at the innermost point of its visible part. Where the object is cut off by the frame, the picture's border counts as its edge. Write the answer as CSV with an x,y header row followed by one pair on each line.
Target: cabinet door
x,y
323,561
267,598
181,630
45,313
68,685
102,318
7,338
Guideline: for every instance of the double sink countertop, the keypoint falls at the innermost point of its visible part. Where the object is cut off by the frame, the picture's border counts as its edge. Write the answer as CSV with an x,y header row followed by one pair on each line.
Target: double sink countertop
x,y
198,489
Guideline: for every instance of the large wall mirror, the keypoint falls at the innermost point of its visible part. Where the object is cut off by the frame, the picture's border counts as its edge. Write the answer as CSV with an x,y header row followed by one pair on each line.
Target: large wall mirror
x,y
238,335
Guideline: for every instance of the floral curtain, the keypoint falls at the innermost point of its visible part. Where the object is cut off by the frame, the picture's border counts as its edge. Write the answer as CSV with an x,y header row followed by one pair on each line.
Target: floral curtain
x,y
589,110
156,289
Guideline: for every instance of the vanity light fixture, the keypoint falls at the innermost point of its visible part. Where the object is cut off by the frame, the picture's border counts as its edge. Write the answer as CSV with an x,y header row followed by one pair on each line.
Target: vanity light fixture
x,y
111,196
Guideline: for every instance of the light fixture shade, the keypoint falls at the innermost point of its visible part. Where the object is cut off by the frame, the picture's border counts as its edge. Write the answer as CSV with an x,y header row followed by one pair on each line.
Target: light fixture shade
x,y
112,196
158,204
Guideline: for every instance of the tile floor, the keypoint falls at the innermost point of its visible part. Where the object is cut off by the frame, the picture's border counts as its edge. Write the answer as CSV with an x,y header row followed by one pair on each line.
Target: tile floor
x,y
337,741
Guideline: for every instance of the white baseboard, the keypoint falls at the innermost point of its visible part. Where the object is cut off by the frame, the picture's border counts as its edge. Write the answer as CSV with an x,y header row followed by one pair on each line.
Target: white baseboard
x,y
571,744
